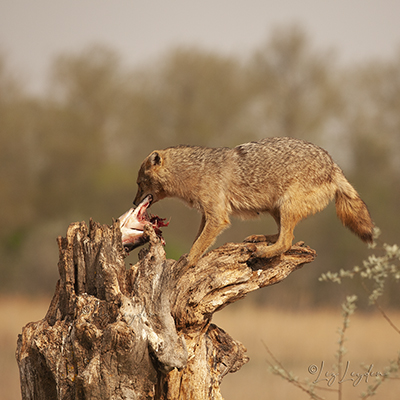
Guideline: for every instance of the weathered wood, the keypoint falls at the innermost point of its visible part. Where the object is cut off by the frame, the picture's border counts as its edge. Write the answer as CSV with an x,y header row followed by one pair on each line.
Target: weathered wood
x,y
145,332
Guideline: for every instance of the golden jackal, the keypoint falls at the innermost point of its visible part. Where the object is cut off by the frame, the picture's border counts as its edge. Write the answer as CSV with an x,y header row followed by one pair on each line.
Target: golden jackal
x,y
286,177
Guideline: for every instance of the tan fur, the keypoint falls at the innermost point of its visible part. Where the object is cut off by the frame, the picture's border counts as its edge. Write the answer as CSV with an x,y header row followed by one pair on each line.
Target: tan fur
x,y
286,177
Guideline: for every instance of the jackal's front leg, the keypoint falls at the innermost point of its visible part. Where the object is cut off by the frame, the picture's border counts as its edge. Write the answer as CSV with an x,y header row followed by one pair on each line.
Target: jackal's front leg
x,y
212,227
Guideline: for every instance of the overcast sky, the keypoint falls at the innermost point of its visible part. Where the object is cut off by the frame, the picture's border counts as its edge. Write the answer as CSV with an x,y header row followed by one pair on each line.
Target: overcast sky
x,y
33,31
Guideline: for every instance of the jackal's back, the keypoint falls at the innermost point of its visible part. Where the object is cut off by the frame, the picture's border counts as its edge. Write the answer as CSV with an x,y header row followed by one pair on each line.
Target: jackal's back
x,y
281,161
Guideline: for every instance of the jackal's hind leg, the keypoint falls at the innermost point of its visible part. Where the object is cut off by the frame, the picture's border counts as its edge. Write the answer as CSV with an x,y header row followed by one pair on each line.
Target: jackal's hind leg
x,y
288,222
267,238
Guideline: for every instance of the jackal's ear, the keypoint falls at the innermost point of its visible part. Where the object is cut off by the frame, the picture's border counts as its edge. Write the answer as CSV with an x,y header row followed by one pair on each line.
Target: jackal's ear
x,y
155,159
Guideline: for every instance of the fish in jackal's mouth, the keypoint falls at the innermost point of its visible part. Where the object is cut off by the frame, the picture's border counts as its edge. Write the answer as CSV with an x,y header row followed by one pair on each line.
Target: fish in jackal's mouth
x,y
132,224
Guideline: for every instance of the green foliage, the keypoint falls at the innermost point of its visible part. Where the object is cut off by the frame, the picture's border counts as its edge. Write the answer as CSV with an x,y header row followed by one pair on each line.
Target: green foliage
x,y
73,152
295,84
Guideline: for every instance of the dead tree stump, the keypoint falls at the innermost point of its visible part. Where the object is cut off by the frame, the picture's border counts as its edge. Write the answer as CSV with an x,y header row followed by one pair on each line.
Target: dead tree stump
x,y
142,333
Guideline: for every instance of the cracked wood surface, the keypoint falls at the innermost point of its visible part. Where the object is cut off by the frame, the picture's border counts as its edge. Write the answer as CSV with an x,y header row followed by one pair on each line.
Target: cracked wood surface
x,y
143,332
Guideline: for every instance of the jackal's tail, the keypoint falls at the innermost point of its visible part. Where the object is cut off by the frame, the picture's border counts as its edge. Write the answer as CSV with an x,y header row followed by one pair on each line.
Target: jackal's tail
x,y
352,211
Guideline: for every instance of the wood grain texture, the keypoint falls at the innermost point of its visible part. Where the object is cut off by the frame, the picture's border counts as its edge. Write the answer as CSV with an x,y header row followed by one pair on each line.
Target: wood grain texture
x,y
143,332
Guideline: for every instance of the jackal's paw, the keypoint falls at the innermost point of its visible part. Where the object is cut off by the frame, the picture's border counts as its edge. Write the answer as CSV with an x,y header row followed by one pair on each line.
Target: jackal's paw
x,y
251,247
255,239
261,238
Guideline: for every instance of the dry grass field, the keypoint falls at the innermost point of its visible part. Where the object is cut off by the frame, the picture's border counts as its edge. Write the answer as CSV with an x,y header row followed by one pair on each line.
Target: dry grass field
x,y
14,314
301,339
298,340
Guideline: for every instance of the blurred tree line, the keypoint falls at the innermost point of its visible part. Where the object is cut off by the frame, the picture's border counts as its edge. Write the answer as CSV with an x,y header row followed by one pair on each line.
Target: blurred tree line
x,y
73,152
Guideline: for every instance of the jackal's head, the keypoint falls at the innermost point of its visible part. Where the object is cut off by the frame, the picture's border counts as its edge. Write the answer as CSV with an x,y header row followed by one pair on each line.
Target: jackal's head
x,y
149,179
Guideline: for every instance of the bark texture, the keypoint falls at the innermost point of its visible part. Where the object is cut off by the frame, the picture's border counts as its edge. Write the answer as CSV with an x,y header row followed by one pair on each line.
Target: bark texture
x,y
143,332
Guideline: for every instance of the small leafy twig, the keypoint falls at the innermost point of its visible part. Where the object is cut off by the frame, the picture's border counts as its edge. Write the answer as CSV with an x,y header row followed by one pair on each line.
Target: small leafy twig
x,y
388,374
348,308
377,269
382,311
280,370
